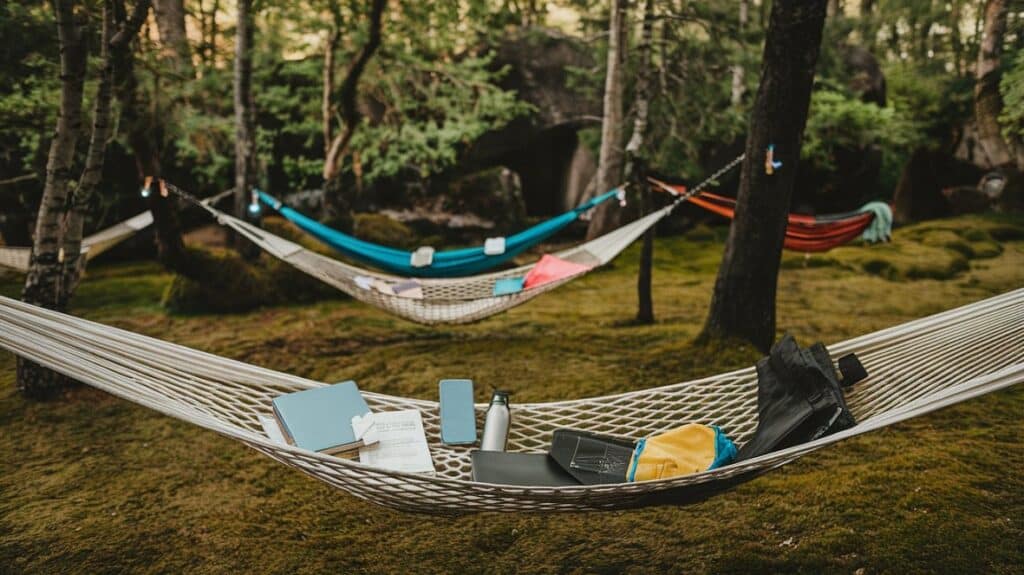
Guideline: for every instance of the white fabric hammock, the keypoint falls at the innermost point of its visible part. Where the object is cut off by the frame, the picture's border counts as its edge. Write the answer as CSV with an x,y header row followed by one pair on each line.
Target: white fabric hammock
x,y
914,368
17,258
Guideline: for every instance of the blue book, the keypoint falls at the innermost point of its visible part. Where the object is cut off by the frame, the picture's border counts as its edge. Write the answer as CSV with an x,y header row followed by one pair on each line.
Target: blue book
x,y
320,419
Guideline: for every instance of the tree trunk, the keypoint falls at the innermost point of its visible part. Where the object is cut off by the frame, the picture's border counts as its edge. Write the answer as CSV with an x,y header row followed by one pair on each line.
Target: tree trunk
x,y
609,169
326,108
245,125
170,22
738,73
42,284
349,91
338,200
743,303
988,103
101,133
635,165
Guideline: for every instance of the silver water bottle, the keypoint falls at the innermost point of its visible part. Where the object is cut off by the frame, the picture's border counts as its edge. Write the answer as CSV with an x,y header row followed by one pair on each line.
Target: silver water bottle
x,y
496,424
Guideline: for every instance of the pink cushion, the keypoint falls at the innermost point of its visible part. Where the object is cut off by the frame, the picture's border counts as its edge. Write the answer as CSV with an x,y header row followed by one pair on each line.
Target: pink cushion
x,y
551,268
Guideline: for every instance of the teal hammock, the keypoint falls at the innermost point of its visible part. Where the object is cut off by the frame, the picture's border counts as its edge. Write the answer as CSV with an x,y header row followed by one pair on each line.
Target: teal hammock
x,y
448,263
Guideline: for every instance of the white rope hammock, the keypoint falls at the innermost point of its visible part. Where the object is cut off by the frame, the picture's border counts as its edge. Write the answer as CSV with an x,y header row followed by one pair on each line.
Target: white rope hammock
x,y
914,368
451,300
17,258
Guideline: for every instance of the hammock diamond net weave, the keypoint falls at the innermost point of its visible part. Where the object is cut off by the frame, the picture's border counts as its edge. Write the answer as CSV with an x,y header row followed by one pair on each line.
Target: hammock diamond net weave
x,y
914,368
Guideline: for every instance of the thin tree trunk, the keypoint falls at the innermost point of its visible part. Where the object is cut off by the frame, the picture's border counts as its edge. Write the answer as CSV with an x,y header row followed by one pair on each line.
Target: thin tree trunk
x,y
610,163
988,103
738,72
93,171
42,284
337,202
955,40
245,124
635,165
326,108
743,303
349,91
116,37
170,22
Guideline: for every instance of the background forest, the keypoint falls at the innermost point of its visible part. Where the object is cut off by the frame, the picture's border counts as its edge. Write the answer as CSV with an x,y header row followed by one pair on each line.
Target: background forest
x,y
495,107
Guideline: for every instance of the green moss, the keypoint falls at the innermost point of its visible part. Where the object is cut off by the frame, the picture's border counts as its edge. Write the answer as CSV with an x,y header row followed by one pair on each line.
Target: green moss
x,y
381,229
223,282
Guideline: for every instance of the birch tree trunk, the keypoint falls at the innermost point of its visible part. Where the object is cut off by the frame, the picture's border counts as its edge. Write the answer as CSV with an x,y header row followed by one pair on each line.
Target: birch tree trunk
x,y
116,37
42,284
609,169
245,124
636,165
743,302
738,73
93,171
988,103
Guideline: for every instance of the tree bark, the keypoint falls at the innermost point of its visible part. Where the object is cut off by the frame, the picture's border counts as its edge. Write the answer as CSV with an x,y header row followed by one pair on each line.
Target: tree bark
x,y
635,165
326,106
743,303
988,103
245,125
170,23
349,91
116,36
738,72
42,284
606,217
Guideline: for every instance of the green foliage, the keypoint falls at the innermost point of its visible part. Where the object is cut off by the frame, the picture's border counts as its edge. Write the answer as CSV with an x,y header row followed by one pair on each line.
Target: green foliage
x,y
435,112
839,121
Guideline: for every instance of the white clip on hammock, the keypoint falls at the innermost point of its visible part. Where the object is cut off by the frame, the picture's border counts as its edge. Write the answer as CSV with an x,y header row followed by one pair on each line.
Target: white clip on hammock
x,y
914,368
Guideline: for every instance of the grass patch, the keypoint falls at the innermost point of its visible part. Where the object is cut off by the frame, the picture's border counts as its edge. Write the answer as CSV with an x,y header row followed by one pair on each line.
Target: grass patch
x,y
95,484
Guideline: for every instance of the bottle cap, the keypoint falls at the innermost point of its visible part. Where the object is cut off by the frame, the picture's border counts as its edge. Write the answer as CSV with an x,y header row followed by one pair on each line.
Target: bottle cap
x,y
499,396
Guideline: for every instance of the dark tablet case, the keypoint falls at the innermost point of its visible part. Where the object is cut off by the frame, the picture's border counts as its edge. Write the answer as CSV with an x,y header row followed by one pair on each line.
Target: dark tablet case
x,y
504,468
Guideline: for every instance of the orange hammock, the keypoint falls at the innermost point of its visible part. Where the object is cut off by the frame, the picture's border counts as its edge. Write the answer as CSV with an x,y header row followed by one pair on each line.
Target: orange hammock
x,y
804,233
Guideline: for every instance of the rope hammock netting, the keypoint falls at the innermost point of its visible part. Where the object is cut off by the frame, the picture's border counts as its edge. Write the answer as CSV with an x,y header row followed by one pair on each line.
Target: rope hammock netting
x,y
914,368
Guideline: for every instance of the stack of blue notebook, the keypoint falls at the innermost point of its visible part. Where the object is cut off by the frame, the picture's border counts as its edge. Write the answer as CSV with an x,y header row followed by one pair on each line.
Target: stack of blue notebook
x,y
320,419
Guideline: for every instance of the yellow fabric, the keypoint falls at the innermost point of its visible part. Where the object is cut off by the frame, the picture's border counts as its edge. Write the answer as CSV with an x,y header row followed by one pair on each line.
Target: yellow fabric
x,y
682,451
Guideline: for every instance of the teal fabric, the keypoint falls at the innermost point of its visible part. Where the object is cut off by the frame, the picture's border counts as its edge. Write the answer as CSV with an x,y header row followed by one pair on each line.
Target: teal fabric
x,y
508,286
450,263
725,450
880,228
640,445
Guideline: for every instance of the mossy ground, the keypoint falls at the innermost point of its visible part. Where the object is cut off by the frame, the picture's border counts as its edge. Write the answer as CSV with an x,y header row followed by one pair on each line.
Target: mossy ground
x,y
94,484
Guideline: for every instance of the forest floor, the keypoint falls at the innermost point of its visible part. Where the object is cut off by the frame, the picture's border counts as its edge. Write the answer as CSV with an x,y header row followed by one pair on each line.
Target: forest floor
x,y
94,484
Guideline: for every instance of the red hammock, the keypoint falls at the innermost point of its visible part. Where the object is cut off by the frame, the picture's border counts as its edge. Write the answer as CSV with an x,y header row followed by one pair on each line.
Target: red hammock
x,y
804,233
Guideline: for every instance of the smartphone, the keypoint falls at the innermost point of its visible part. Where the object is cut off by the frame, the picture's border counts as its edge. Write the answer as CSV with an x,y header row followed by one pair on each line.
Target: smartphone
x,y
458,418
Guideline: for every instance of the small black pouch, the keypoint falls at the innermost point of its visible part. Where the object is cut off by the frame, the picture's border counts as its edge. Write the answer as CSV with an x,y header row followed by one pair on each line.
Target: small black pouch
x,y
592,458
799,399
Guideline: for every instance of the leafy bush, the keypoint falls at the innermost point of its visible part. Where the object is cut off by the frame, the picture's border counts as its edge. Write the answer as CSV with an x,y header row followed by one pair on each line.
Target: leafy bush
x,y
840,121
